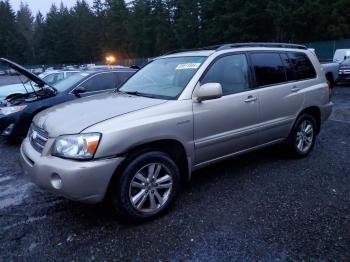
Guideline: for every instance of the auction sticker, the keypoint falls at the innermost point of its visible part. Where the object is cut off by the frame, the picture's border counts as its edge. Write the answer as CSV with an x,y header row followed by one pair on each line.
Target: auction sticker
x,y
188,66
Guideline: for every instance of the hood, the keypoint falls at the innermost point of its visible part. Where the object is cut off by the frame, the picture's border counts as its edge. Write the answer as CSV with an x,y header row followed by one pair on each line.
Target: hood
x,y
75,116
23,71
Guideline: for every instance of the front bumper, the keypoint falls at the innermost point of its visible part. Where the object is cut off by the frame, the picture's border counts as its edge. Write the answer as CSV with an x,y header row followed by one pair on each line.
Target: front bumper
x,y
343,78
16,124
83,181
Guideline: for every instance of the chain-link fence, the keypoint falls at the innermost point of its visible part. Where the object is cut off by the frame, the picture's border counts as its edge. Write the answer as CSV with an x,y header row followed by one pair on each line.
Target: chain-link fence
x,y
325,50
123,62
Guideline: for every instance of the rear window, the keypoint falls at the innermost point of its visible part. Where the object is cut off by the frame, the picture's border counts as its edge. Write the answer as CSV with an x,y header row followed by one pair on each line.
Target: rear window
x,y
268,68
302,66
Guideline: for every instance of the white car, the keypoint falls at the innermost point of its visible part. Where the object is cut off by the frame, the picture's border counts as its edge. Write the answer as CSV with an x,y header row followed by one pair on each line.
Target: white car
x,y
340,55
49,77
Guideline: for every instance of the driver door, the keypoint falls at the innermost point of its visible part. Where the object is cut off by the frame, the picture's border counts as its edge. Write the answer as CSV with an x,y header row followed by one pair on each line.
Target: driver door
x,y
229,124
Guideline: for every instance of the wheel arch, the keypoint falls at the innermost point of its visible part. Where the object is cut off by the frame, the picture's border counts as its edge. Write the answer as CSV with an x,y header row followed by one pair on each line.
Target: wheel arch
x,y
316,113
174,148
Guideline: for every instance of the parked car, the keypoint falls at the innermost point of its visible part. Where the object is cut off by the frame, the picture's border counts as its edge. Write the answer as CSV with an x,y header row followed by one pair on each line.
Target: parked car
x,y
17,112
340,55
330,69
344,71
50,77
37,71
181,112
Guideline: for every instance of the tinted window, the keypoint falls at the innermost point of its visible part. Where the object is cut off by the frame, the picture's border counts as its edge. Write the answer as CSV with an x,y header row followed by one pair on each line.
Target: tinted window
x,y
302,66
123,76
231,72
288,67
70,81
268,68
101,82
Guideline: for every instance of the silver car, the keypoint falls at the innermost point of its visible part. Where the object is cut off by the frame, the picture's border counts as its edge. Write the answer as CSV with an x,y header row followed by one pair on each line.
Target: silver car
x,y
181,112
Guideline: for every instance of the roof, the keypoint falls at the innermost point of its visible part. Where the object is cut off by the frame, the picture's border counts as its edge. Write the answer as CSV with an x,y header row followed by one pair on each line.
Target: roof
x,y
209,50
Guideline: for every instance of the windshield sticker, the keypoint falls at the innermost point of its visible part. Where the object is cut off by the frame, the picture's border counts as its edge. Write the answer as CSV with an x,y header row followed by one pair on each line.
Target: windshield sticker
x,y
188,66
84,74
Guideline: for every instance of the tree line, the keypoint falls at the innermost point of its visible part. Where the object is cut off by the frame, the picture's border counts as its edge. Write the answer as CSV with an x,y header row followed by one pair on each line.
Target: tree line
x,y
147,28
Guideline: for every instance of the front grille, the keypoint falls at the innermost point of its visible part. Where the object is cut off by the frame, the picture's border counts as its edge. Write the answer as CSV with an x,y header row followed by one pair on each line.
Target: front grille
x,y
37,137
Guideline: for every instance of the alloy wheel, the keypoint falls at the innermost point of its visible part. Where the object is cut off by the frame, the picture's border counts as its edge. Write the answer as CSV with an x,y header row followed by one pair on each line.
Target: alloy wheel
x,y
150,188
305,136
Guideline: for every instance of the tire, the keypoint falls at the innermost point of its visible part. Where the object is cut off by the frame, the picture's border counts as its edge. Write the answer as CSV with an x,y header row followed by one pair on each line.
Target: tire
x,y
151,196
301,140
330,79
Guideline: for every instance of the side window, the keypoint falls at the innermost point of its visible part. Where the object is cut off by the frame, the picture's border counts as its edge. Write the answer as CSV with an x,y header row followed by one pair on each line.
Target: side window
x,y
302,66
268,68
232,72
123,76
59,77
291,76
68,74
50,79
101,82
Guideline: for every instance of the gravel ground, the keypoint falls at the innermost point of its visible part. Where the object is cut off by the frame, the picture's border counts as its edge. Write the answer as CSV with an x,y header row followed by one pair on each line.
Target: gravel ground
x,y
260,206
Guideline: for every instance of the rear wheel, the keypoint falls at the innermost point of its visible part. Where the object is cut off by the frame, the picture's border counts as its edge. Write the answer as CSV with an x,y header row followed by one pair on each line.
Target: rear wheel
x,y
303,136
146,187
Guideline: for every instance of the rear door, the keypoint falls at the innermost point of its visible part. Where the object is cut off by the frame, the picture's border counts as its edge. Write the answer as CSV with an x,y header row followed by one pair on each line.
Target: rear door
x,y
279,91
226,125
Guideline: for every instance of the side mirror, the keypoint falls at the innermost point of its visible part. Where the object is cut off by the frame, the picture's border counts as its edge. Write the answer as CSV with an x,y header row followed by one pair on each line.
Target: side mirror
x,y
79,90
208,91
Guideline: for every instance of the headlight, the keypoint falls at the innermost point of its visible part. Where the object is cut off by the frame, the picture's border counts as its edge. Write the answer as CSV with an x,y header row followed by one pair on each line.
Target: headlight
x,y
12,109
82,146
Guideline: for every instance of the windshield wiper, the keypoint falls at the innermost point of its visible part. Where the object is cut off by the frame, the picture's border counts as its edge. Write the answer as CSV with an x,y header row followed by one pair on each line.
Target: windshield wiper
x,y
137,93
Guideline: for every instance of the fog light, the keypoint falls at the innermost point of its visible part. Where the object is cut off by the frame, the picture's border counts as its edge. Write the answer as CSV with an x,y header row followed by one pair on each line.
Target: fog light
x,y
56,181
8,130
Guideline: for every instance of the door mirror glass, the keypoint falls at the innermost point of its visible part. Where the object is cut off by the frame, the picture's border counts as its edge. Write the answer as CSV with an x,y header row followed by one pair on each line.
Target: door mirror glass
x,y
79,90
209,91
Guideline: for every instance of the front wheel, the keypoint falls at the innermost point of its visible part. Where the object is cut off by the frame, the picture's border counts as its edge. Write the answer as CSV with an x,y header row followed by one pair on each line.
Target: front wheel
x,y
146,187
303,136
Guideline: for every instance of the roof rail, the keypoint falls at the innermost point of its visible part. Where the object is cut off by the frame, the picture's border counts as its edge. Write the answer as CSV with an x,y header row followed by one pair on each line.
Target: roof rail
x,y
212,47
238,45
277,45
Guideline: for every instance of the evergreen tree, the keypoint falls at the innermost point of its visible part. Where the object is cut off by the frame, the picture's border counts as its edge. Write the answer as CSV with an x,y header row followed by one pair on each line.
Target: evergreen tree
x,y
99,10
84,32
186,19
147,28
118,40
38,40
8,32
24,26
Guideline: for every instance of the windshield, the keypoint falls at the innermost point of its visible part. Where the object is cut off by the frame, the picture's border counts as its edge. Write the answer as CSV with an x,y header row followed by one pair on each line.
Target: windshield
x,y
346,61
69,81
163,78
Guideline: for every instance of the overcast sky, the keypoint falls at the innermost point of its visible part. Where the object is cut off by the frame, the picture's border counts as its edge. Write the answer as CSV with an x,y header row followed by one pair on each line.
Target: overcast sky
x,y
43,5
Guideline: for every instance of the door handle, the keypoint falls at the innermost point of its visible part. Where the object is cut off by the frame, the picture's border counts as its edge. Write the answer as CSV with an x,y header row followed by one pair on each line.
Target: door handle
x,y
251,99
295,89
